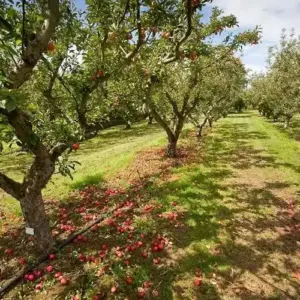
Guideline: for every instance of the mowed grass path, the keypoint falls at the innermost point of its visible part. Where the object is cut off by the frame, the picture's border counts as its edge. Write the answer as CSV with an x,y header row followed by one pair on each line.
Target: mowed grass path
x,y
243,212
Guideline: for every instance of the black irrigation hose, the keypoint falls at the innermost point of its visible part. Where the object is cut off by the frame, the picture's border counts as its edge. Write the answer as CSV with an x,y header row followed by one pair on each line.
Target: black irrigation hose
x,y
13,282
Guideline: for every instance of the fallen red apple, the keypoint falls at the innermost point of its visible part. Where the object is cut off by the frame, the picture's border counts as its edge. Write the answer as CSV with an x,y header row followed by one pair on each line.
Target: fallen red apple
x,y
114,289
38,273
146,284
58,275
127,262
161,246
64,281
75,146
49,269
155,249
31,277
22,261
197,282
39,286
141,293
156,261
129,280
52,256
9,251
119,254
144,254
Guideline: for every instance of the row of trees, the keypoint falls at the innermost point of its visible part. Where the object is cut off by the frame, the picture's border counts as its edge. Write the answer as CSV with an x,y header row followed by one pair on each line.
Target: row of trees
x,y
64,74
276,93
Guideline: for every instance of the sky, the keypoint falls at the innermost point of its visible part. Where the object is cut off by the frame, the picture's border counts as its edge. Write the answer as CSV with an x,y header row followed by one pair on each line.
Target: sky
x,y
271,15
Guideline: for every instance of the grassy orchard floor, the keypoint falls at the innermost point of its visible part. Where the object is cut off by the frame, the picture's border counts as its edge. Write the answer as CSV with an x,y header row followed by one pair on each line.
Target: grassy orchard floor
x,y
227,211
101,158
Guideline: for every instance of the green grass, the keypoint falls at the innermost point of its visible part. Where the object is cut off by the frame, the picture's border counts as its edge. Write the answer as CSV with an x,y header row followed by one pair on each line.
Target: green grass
x,y
234,199
234,202
100,158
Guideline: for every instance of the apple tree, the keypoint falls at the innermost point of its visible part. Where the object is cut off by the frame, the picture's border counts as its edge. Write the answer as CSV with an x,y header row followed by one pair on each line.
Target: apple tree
x,y
173,82
218,96
25,34
277,92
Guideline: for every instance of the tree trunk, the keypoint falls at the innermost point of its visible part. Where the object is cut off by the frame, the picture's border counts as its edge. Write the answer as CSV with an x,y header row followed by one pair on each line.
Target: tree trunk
x,y
150,120
32,204
200,127
172,147
287,122
33,209
210,122
128,125
199,131
82,120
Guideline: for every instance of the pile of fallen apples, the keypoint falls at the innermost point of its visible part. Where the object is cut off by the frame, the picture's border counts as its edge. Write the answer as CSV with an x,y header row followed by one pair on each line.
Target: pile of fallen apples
x,y
130,244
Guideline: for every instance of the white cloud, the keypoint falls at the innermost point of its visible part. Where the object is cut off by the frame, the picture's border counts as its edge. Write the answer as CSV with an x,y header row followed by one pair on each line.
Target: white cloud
x,y
271,15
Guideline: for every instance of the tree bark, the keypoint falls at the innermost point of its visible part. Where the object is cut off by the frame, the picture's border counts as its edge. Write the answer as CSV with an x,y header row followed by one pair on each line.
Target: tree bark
x,y
33,209
210,122
150,120
128,125
172,146
29,193
31,200
287,122
200,127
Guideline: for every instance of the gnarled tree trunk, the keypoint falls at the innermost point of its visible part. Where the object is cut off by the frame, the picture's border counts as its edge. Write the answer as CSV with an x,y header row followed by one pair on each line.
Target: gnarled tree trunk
x,y
150,119
128,125
31,200
200,128
33,209
172,146
287,121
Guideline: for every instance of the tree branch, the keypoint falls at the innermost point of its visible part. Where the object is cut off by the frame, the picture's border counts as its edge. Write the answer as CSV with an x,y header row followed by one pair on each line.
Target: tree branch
x,y
61,80
130,55
174,105
10,186
60,148
35,47
154,112
127,7
189,14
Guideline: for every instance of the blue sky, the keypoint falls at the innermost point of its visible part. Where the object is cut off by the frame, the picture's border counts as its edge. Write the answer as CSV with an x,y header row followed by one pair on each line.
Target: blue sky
x,y
271,15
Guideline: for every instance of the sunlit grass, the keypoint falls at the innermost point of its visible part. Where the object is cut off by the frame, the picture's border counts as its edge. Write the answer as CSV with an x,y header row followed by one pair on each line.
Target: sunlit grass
x,y
100,158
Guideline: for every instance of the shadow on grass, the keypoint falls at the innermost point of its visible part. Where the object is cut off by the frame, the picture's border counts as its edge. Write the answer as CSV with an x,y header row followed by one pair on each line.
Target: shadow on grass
x,y
230,232
116,135
256,220
293,131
